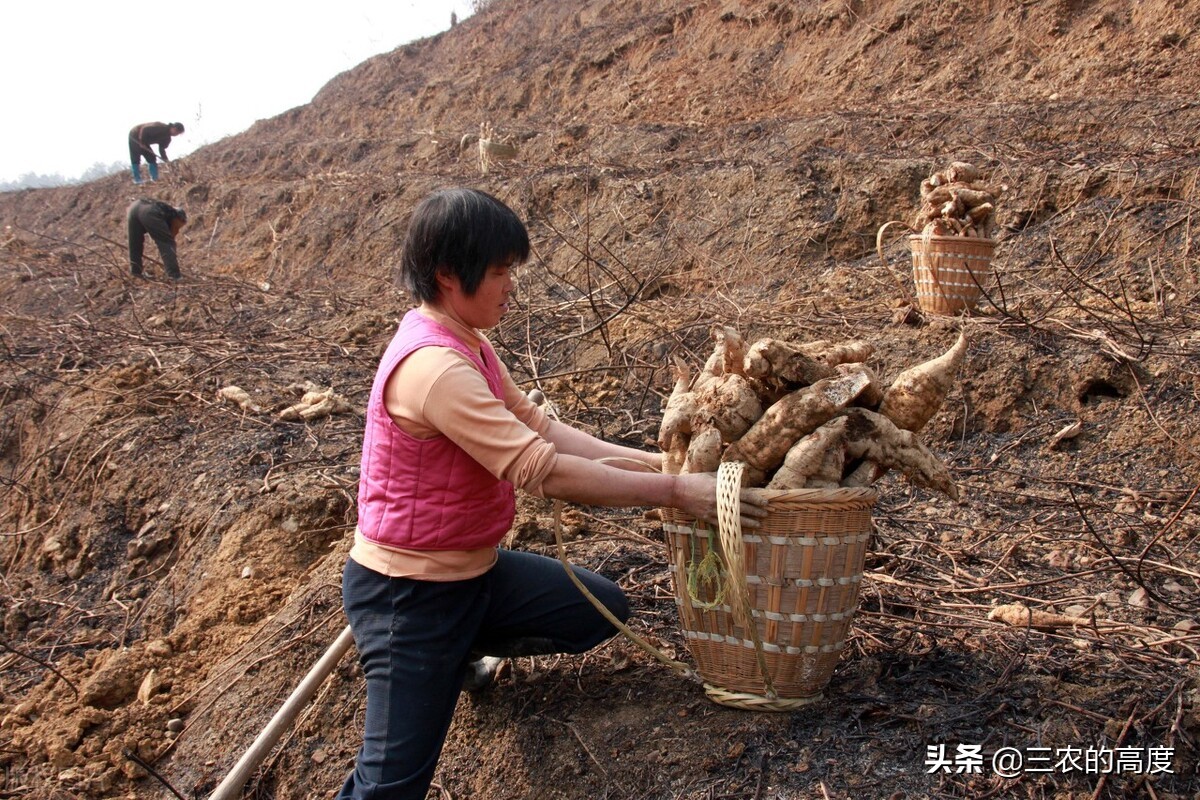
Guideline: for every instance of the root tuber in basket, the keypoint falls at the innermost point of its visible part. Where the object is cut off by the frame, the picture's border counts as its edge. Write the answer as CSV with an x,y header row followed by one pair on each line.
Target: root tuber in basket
x,y
806,415
766,613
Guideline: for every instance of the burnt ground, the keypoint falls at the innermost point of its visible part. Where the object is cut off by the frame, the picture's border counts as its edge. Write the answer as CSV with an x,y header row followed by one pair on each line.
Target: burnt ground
x,y
168,555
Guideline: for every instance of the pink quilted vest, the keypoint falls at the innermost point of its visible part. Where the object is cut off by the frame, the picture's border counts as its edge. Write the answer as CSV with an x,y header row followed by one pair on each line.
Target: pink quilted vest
x,y
428,494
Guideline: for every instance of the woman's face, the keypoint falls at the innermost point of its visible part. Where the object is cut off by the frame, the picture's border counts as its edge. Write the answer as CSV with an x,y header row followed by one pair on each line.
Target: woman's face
x,y
483,309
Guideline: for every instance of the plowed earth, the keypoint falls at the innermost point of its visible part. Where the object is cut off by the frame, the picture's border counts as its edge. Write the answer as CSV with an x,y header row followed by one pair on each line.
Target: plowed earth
x,y
172,559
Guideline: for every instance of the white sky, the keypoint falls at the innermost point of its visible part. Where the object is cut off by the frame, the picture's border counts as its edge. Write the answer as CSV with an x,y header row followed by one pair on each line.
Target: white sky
x,y
78,74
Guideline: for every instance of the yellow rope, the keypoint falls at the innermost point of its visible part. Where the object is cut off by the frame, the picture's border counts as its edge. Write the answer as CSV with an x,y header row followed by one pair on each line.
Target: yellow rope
x,y
729,482
708,572
678,666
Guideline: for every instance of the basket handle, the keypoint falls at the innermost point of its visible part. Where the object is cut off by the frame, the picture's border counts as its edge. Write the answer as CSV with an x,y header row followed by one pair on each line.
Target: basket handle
x,y
729,526
904,293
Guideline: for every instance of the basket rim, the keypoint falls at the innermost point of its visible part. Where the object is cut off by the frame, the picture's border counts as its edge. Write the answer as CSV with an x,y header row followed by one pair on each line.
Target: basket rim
x,y
841,493
970,240
784,500
936,237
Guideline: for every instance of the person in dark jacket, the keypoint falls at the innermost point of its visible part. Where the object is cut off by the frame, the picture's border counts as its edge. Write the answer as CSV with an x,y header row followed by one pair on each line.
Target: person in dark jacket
x,y
141,139
163,222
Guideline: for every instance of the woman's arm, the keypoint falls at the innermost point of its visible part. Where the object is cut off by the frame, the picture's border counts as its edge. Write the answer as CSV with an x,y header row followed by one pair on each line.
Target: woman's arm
x,y
572,441
459,404
581,480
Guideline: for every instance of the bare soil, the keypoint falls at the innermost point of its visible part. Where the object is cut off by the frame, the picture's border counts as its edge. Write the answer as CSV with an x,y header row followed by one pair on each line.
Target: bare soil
x,y
171,561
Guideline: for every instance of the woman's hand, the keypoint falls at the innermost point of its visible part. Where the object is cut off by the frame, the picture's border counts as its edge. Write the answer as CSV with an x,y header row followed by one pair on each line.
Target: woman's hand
x,y
696,496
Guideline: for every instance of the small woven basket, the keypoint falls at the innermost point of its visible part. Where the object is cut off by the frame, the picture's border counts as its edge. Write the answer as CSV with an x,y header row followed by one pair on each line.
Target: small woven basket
x,y
949,271
797,577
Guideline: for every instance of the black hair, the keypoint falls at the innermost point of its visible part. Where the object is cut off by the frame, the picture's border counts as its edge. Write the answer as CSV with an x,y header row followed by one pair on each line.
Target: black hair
x,y
461,232
176,125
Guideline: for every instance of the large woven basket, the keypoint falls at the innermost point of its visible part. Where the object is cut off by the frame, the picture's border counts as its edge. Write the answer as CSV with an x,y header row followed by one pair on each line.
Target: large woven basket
x,y
949,271
797,577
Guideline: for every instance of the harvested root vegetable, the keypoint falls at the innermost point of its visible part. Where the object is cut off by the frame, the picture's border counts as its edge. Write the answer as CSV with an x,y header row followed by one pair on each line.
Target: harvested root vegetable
x,y
806,463
962,171
729,403
956,202
941,227
829,474
681,406
796,415
917,393
935,197
704,452
721,399
726,358
954,208
316,404
676,454
1021,616
780,363
981,213
822,434
304,388
835,353
872,393
865,474
874,437
316,396
238,395
973,198
957,172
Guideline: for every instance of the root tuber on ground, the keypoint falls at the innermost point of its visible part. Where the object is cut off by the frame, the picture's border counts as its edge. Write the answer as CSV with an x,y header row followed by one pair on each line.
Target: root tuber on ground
x,y
239,396
315,404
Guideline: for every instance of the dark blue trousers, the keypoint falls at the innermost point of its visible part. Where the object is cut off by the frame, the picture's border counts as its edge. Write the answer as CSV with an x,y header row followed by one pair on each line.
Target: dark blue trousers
x,y
415,638
147,217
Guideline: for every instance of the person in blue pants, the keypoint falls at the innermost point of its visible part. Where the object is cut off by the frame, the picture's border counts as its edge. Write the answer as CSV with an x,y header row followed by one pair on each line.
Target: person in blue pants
x,y
142,138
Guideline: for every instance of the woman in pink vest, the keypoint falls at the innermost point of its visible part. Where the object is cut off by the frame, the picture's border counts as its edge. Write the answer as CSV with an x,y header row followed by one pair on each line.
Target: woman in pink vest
x,y
449,436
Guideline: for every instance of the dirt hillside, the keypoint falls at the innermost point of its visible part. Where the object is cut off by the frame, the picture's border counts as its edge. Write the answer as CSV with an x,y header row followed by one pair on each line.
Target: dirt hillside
x,y
171,559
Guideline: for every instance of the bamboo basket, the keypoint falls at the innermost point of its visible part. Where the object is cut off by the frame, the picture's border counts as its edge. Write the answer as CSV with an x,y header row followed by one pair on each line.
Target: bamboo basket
x,y
492,151
797,577
949,270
